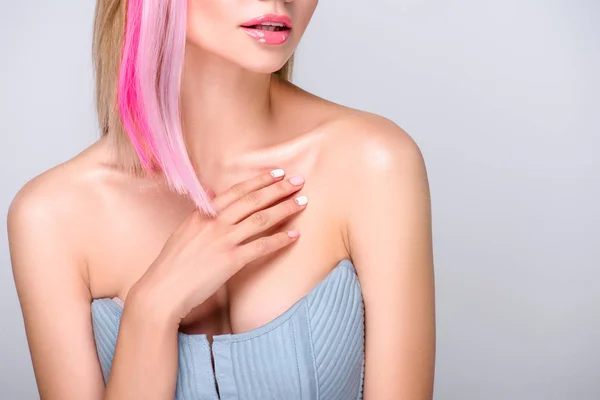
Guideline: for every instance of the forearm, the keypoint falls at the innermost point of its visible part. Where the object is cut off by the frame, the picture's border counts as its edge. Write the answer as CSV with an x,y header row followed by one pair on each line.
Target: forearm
x,y
146,355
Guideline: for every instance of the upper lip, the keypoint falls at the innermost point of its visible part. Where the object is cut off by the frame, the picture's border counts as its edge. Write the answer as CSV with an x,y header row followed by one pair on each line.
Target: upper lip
x,y
280,18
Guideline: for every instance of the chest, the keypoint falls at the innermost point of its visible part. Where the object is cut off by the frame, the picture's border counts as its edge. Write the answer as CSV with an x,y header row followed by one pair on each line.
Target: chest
x,y
132,237
314,350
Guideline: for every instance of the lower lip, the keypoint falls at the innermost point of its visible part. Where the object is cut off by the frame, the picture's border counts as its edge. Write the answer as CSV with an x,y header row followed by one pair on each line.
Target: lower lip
x,y
268,37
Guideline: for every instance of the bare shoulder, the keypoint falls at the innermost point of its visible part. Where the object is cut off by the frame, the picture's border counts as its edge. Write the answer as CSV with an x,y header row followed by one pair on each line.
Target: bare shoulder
x,y
51,205
368,146
385,202
48,227
362,141
57,192
375,172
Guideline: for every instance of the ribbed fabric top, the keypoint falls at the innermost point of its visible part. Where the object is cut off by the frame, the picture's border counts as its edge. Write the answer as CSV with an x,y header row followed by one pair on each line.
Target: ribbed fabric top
x,y
313,351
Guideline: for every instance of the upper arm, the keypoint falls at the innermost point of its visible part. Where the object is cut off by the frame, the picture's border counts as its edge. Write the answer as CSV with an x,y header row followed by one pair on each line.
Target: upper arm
x,y
54,298
390,241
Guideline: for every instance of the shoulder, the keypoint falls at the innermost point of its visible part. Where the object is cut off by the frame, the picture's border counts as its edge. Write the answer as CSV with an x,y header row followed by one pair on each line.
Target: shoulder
x,y
56,192
371,150
387,215
48,231
50,206
378,179
362,141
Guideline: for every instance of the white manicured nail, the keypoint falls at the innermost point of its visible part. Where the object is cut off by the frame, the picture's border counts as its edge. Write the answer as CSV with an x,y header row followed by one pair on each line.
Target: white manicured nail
x,y
301,200
277,173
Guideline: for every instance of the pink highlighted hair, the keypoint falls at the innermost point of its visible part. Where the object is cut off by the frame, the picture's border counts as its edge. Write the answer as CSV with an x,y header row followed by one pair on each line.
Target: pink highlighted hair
x,y
148,92
138,50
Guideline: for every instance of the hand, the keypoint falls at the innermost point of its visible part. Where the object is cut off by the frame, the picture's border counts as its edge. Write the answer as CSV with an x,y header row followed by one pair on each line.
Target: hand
x,y
204,252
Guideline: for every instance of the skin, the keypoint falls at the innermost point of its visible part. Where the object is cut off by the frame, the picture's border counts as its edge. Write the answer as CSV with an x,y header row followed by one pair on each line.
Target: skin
x,y
85,229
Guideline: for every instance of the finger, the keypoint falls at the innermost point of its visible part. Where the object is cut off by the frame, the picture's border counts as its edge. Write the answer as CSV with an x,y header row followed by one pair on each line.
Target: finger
x,y
239,190
264,245
211,194
262,220
260,199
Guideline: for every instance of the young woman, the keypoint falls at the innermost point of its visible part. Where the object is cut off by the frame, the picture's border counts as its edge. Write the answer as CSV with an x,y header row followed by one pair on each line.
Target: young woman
x,y
179,256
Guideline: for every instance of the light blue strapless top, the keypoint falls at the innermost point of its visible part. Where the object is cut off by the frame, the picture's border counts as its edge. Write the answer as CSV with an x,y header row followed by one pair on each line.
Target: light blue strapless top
x,y
313,351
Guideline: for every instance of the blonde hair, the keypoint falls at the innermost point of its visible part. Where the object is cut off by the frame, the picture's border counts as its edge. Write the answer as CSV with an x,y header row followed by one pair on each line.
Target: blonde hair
x,y
141,121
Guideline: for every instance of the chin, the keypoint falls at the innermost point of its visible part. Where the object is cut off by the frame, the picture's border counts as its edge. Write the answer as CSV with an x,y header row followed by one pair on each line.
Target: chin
x,y
244,55
255,60
263,66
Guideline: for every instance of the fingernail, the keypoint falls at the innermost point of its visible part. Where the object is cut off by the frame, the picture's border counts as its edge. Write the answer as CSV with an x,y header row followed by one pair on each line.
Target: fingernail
x,y
277,173
297,180
301,200
293,233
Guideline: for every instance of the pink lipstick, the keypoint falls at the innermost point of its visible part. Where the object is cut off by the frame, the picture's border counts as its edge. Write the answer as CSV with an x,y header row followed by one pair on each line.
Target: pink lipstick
x,y
271,29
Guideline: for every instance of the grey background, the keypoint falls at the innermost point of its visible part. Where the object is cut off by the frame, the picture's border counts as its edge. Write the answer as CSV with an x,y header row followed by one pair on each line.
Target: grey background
x,y
503,99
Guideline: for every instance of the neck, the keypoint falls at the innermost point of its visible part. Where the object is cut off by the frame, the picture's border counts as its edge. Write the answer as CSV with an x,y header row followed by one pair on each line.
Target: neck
x,y
226,111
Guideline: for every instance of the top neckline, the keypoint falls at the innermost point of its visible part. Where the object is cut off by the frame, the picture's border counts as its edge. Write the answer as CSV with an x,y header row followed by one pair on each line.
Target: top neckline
x,y
114,305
